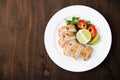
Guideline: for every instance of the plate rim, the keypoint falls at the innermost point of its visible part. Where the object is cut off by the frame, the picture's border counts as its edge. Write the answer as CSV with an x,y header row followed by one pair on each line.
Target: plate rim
x,y
79,70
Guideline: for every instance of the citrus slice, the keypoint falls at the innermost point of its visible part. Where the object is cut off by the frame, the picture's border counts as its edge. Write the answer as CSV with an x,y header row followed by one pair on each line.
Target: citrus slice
x,y
95,40
83,36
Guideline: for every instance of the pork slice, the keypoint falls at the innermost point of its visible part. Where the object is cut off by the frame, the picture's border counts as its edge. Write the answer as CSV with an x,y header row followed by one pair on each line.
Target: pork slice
x,y
68,46
86,53
67,28
67,37
76,51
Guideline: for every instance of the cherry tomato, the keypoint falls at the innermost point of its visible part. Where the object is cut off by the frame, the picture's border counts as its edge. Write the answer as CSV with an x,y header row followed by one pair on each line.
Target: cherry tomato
x,y
92,30
82,24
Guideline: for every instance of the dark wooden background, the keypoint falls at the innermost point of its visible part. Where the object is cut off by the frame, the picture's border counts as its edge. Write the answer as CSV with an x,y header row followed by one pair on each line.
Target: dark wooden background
x,y
22,52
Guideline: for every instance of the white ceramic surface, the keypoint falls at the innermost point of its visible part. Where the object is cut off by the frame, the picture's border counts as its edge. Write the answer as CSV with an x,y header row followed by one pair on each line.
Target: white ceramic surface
x,y
101,49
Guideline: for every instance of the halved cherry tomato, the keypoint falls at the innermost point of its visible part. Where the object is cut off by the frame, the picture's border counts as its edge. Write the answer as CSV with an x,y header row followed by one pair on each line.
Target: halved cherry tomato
x,y
92,30
82,24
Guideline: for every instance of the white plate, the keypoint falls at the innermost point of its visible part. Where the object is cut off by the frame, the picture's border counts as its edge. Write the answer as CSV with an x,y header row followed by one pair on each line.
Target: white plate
x,y
101,49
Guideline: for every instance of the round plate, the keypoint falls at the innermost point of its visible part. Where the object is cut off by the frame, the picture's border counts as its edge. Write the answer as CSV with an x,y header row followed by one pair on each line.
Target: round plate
x,y
101,49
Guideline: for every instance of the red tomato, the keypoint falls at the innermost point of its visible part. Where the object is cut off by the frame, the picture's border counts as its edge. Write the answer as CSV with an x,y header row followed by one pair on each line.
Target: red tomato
x,y
82,21
92,30
82,24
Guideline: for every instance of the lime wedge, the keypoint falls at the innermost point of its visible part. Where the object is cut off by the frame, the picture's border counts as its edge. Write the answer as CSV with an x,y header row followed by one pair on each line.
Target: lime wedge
x,y
95,40
83,36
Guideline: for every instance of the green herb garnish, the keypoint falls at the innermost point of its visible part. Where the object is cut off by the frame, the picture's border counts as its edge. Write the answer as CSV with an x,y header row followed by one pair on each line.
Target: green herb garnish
x,y
74,21
88,23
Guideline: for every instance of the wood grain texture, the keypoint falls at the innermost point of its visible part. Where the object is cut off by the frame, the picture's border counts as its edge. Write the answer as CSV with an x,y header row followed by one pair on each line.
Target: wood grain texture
x,y
22,52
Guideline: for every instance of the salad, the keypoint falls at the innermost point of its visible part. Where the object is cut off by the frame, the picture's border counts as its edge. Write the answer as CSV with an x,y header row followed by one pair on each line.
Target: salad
x,y
86,31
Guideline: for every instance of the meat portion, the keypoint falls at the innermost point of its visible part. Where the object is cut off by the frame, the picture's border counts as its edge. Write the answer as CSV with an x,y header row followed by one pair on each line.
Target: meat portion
x,y
76,51
66,37
68,46
67,28
67,41
86,53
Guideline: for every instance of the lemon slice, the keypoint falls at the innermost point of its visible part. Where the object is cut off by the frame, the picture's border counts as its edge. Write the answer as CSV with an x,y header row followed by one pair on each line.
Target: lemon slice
x,y
95,40
83,36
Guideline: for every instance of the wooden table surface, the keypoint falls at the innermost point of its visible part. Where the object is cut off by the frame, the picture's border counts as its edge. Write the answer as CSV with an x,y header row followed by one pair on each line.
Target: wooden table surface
x,y
22,52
